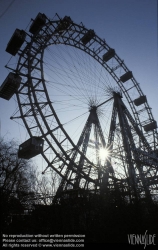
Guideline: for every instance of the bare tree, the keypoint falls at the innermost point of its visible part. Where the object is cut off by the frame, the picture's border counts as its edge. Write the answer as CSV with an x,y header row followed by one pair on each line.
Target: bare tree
x,y
16,175
21,180
46,186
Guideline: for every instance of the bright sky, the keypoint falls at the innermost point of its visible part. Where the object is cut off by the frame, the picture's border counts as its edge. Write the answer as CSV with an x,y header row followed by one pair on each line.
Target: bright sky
x,y
128,26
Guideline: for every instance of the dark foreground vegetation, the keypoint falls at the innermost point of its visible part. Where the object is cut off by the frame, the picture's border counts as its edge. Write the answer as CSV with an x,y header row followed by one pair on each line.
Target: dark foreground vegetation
x,y
101,221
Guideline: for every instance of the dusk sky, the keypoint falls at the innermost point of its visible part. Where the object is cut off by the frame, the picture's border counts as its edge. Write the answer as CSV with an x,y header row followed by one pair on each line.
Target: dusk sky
x,y
128,26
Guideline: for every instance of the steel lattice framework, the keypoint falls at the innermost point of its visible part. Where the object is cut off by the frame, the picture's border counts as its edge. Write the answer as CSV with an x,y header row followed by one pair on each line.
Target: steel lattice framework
x,y
132,162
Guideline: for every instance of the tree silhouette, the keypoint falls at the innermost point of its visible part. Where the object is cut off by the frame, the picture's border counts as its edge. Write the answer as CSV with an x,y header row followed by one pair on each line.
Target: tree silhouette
x,y
16,180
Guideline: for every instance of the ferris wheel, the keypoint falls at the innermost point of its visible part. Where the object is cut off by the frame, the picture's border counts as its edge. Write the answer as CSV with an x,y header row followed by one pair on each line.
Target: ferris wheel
x,y
84,111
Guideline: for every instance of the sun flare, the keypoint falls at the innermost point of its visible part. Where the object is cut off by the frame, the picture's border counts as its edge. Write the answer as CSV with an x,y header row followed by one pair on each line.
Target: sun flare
x,y
103,153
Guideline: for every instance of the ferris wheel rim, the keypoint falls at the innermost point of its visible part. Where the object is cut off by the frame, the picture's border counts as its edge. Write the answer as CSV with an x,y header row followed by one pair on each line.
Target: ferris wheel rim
x,y
87,49
121,64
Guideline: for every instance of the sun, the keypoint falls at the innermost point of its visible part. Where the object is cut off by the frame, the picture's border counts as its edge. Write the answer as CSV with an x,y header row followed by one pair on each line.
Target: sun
x,y
104,153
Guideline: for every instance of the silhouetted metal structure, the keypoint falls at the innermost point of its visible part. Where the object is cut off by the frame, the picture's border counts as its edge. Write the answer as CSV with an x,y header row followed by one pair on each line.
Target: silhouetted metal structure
x,y
131,138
